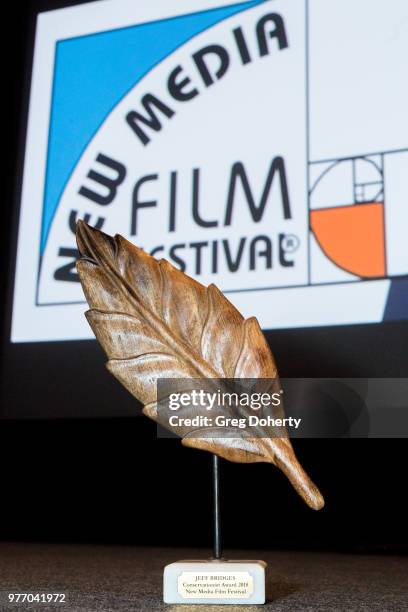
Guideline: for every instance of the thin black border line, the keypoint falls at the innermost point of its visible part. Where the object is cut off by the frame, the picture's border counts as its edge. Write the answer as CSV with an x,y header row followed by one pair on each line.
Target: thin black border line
x,y
329,168
307,110
338,206
383,215
386,152
353,165
356,281
369,183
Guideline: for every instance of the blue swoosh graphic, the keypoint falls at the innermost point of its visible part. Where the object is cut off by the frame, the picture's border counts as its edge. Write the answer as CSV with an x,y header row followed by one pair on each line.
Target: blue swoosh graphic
x,y
93,73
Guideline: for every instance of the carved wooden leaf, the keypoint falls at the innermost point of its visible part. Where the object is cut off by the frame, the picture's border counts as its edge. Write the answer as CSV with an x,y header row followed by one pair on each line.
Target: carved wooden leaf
x,y
153,321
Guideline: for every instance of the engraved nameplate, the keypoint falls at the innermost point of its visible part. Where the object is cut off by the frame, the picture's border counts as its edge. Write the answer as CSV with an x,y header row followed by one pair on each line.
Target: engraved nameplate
x,y
215,581
215,585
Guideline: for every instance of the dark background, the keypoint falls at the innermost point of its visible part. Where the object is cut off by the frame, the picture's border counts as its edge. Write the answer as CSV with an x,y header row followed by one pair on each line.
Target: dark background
x,y
110,479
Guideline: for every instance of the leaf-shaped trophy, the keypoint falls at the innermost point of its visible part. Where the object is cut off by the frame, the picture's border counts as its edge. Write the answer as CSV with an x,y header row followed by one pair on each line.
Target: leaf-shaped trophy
x,y
155,322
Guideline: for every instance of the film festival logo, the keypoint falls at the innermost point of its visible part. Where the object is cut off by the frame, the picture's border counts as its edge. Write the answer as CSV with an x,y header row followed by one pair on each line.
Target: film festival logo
x,y
236,252
203,160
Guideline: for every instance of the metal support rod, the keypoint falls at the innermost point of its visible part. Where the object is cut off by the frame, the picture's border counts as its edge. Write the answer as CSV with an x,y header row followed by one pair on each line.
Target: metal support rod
x,y
217,550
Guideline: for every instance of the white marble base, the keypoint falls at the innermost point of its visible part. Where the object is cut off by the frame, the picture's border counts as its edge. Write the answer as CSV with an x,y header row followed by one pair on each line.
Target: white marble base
x,y
214,581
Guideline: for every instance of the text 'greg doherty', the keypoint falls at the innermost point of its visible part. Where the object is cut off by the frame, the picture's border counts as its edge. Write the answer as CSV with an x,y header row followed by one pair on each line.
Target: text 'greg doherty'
x,y
207,400
241,423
